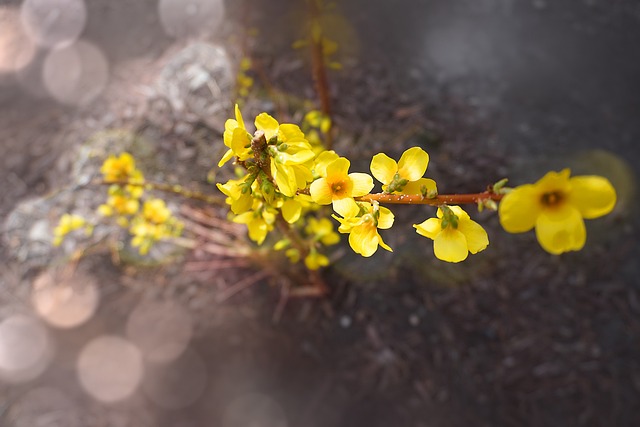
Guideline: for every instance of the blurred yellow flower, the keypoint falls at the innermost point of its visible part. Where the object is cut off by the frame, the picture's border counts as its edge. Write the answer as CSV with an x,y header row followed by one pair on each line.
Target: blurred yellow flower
x,y
120,169
315,260
67,224
556,205
454,234
339,187
156,211
322,230
406,175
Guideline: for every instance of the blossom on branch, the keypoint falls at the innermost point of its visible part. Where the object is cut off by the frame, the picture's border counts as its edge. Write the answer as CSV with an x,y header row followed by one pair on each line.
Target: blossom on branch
x,y
556,205
454,234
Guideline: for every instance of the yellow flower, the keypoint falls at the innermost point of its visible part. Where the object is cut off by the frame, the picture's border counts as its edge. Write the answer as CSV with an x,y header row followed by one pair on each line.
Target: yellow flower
x,y
240,199
454,234
362,221
339,187
155,211
291,157
119,204
66,225
257,224
121,168
556,206
315,260
406,175
322,231
236,138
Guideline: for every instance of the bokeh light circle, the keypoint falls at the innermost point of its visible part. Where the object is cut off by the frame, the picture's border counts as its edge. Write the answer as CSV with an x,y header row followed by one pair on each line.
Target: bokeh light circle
x,y
54,23
178,384
110,368
64,303
25,348
190,18
254,409
75,74
162,330
16,47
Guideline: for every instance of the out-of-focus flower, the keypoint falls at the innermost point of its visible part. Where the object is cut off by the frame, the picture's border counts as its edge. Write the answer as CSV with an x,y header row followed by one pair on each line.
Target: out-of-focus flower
x,y
556,205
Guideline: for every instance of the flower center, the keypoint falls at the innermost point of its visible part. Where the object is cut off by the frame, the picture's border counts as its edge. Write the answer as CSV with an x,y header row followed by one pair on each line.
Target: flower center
x,y
338,188
552,198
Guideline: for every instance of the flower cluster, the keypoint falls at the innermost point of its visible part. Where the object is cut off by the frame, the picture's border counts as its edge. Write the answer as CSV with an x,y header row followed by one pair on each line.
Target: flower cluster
x,y
147,225
284,179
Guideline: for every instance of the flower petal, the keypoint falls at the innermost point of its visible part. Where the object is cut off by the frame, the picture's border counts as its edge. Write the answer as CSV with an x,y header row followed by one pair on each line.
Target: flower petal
x,y
450,245
227,156
321,191
415,187
554,182
413,163
383,168
339,166
362,184
267,124
385,220
285,178
520,209
347,207
561,230
477,239
364,240
429,228
291,210
593,196
239,117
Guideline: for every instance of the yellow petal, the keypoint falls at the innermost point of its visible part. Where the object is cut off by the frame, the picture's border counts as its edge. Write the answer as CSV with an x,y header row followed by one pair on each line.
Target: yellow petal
x,y
429,228
413,163
321,192
290,133
450,245
268,124
364,240
323,160
239,119
383,245
348,208
285,179
383,168
344,205
520,209
477,239
362,184
459,212
415,187
561,230
227,156
385,220
554,182
291,211
593,196
339,166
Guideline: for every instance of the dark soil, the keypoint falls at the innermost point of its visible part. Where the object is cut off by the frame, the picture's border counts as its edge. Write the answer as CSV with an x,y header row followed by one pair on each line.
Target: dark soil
x,y
511,337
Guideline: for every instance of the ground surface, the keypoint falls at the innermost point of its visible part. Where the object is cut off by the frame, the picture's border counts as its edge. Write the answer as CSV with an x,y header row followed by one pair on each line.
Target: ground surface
x,y
512,337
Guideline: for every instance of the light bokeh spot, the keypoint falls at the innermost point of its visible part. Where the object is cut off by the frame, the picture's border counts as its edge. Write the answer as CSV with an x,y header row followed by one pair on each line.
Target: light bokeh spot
x,y
110,368
162,330
65,302
178,384
16,47
75,74
25,348
54,23
254,409
190,18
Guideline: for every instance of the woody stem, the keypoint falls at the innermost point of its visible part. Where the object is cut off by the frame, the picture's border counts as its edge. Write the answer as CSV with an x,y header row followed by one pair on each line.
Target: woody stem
x,y
417,199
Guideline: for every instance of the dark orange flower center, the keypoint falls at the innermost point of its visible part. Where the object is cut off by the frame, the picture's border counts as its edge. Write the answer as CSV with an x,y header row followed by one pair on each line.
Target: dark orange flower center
x,y
552,198
338,188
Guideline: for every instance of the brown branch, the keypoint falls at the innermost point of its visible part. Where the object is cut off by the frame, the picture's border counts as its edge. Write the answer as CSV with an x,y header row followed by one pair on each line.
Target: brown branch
x,y
417,199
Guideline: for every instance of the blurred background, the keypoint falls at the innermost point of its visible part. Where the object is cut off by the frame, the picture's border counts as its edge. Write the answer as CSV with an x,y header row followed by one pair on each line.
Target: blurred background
x,y
490,88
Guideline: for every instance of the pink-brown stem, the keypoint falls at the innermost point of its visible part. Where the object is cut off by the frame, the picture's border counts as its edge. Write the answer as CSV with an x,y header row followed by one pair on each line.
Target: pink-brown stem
x,y
417,199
